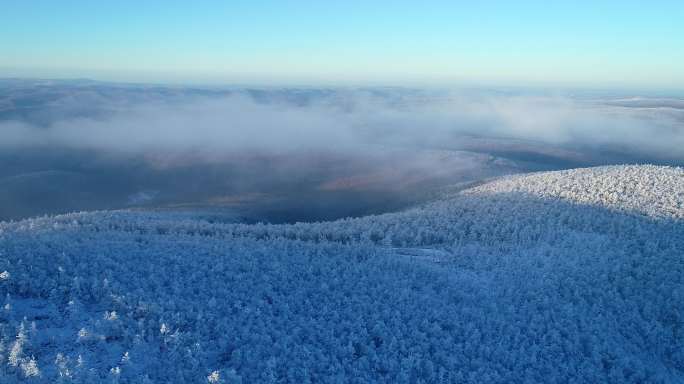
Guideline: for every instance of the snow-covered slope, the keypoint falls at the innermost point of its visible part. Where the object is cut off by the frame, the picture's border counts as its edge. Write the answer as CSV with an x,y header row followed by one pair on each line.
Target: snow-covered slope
x,y
572,276
649,190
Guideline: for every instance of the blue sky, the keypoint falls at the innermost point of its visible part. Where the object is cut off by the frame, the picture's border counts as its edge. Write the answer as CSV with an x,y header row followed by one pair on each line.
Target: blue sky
x,y
578,43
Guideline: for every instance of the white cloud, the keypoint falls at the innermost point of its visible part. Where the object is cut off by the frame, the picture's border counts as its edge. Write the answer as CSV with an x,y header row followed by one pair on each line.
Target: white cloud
x,y
353,120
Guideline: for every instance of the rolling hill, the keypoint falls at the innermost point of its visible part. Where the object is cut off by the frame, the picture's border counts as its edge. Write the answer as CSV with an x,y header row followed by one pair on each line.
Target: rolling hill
x,y
565,276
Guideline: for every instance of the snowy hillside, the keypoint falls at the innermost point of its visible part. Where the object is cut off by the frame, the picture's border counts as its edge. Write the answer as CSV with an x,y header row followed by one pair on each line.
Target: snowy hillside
x,y
570,276
649,190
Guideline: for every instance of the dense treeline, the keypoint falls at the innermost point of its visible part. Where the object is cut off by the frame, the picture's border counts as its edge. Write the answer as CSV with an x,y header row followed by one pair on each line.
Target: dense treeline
x,y
573,276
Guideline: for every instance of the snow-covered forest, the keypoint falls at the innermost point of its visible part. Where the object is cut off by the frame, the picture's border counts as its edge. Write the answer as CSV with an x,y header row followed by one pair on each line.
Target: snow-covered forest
x,y
560,277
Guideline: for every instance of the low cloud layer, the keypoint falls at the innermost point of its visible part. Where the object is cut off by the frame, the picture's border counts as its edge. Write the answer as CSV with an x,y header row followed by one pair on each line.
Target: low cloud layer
x,y
286,155
351,121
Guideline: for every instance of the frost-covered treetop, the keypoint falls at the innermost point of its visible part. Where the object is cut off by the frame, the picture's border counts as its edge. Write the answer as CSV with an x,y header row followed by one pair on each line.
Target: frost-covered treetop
x,y
573,276
656,191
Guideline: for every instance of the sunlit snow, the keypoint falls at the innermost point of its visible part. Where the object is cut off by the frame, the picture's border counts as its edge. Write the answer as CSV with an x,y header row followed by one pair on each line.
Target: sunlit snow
x,y
569,276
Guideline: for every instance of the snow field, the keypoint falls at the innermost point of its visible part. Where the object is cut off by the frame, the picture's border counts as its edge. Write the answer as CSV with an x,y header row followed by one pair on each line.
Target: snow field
x,y
571,276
